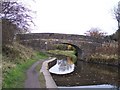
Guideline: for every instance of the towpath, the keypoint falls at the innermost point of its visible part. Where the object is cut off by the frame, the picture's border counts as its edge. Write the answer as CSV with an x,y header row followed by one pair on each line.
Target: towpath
x,y
32,80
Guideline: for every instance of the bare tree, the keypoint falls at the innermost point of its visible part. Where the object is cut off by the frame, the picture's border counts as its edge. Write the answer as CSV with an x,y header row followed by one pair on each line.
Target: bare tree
x,y
95,32
18,14
16,18
117,13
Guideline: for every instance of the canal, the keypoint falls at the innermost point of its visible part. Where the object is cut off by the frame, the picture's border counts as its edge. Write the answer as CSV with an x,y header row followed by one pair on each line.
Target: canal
x,y
83,74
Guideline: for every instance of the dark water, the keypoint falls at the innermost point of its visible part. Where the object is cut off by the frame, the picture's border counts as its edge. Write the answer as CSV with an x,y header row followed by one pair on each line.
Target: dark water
x,y
87,74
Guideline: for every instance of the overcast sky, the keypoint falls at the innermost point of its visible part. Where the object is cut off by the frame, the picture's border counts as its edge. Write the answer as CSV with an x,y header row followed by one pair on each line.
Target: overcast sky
x,y
74,16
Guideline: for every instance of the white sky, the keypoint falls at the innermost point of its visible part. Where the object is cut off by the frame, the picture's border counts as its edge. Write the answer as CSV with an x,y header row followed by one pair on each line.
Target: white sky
x,y
74,16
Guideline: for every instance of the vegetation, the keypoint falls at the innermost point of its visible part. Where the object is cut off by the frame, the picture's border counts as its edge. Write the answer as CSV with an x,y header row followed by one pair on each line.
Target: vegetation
x,y
15,77
65,53
103,56
95,32
60,46
114,36
16,60
42,80
117,13
41,76
107,54
17,13
16,18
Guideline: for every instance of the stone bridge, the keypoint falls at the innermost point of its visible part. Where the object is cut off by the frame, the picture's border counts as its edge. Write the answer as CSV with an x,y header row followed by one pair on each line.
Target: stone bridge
x,y
46,41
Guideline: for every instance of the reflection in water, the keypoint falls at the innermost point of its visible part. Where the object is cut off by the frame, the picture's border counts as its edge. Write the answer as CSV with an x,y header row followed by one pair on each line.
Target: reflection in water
x,y
87,74
63,66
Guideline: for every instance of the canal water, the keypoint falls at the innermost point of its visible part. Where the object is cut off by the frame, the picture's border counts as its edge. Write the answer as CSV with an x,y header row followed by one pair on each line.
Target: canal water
x,y
63,66
84,75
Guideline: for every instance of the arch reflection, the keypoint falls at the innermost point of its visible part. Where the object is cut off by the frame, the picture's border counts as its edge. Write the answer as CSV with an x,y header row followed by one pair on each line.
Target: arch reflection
x,y
64,66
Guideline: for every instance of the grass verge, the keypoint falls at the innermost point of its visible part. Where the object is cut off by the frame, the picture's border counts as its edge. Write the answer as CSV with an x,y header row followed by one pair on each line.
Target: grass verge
x,y
42,80
16,76
104,59
41,76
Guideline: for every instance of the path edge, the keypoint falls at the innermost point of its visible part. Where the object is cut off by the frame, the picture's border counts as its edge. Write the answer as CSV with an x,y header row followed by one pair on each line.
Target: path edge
x,y
50,83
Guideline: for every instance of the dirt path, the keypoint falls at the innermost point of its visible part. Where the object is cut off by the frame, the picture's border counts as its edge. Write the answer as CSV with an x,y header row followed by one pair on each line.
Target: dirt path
x,y
32,80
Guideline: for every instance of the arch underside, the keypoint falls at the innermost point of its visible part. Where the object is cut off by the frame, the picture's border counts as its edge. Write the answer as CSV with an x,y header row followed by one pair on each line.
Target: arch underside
x,y
78,50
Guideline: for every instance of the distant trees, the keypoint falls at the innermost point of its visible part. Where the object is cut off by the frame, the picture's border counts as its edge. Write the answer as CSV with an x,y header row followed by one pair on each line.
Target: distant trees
x,y
116,35
16,18
117,14
95,32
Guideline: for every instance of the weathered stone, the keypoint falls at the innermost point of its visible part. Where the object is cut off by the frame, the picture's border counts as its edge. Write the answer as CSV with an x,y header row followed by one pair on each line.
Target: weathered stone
x,y
46,41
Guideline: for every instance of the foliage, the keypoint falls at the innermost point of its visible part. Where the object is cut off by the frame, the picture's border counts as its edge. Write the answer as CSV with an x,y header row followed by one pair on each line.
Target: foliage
x,y
114,36
60,46
105,56
69,47
63,47
104,59
95,32
110,48
41,75
65,53
16,52
13,55
17,74
17,14
16,18
15,77
16,60
117,13
107,53
41,55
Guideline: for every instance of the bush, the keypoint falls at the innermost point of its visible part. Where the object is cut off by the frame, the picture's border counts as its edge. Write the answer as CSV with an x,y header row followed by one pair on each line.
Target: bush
x,y
60,47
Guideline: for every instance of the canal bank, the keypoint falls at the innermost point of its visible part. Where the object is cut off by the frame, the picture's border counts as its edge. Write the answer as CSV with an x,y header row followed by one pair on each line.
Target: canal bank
x,y
50,83
86,76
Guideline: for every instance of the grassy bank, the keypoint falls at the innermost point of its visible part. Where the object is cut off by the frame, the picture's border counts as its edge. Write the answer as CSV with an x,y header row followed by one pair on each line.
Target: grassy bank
x,y
15,66
95,58
104,59
67,53
16,76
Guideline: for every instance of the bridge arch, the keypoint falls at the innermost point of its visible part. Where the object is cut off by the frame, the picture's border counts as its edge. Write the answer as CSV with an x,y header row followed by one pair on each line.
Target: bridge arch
x,y
78,50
